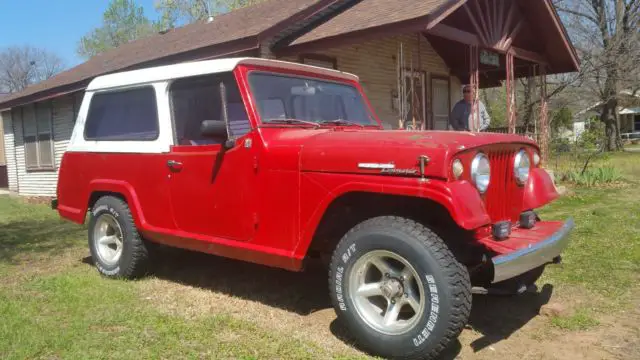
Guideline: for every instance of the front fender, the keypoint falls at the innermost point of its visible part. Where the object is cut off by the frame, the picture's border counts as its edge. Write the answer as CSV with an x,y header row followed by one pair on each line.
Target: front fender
x,y
540,190
461,199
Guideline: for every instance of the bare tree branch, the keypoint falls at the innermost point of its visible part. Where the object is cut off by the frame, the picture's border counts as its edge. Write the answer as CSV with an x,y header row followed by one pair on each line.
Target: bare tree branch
x,y
26,65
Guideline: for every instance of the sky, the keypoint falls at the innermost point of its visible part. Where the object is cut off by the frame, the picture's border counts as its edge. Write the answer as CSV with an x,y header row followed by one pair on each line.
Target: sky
x,y
54,25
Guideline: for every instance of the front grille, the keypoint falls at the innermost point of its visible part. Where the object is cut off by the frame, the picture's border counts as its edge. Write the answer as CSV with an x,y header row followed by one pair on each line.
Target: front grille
x,y
504,197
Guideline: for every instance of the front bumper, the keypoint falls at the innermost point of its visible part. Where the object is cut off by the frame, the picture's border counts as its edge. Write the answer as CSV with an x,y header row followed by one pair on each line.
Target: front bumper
x,y
509,265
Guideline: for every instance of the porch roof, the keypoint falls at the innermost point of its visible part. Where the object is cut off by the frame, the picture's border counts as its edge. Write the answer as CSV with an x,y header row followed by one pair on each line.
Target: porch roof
x,y
447,24
373,14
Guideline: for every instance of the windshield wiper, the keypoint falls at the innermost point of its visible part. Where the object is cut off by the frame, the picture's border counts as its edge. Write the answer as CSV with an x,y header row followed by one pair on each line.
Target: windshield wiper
x,y
290,122
341,122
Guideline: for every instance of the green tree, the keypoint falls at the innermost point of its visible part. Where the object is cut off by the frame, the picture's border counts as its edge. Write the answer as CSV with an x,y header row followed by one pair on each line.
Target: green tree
x,y
122,22
179,12
561,118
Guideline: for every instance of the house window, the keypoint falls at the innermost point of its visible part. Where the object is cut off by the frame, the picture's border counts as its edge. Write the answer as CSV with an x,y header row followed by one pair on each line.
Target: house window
x,y
38,139
319,61
123,115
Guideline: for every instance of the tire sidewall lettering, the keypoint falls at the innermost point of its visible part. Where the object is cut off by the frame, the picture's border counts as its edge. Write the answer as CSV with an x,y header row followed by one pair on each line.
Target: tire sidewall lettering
x,y
431,291
102,208
340,276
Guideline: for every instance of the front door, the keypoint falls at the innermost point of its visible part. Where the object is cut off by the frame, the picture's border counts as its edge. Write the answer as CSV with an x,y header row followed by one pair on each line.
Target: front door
x,y
211,188
441,98
415,109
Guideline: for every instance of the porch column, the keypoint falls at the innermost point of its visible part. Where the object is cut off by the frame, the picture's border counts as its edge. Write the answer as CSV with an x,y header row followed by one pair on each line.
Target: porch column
x,y
544,120
474,82
511,93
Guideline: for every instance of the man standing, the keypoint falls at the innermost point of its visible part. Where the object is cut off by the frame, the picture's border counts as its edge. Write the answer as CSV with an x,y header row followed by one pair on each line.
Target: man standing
x,y
460,118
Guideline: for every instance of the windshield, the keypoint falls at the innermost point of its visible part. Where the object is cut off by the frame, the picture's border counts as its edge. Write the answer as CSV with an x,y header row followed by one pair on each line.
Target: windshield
x,y
283,98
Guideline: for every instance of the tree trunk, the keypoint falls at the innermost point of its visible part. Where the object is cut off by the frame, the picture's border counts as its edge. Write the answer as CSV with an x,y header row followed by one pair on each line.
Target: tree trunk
x,y
609,117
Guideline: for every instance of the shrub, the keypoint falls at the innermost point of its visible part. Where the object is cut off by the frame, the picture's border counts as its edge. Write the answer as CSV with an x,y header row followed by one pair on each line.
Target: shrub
x,y
593,177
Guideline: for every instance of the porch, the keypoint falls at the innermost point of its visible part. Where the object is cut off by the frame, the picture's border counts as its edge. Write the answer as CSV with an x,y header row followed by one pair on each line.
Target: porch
x,y
413,58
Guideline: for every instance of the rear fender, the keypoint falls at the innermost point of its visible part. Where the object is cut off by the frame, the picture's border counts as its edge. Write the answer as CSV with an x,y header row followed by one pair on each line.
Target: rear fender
x,y
124,189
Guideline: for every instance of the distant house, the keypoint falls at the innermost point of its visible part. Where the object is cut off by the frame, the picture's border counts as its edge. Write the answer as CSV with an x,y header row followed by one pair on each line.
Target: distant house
x,y
358,36
629,116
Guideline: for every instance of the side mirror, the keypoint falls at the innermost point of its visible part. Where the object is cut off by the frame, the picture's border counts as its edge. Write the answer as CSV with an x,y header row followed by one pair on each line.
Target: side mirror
x,y
213,128
217,129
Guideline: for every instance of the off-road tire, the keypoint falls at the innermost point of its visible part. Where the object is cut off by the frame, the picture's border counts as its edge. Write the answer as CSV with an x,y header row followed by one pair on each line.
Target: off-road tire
x,y
134,260
429,255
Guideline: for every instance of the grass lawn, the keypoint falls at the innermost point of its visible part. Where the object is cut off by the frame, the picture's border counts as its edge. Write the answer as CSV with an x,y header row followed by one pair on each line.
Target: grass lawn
x,y
54,305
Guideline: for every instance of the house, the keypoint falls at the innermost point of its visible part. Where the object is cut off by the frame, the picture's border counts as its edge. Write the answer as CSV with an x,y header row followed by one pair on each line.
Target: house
x,y
629,114
424,48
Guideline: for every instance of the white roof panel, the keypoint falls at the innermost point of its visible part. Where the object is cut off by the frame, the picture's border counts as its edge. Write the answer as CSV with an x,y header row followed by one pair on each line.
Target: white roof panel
x,y
186,69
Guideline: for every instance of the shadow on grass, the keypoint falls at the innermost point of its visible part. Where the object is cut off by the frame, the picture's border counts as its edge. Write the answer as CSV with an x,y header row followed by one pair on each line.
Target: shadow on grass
x,y
496,318
24,238
303,293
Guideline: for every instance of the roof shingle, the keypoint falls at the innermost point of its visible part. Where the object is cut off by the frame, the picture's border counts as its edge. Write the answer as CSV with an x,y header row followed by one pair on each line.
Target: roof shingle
x,y
369,14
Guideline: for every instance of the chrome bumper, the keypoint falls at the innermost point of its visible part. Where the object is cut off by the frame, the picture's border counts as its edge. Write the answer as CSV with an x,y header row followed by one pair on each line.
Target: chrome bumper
x,y
513,264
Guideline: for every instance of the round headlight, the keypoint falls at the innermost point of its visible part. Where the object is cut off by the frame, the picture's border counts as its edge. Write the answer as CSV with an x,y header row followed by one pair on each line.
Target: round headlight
x,y
458,168
481,172
521,167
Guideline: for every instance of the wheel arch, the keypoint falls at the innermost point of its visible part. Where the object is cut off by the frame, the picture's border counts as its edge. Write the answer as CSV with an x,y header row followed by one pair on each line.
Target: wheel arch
x,y
352,207
119,189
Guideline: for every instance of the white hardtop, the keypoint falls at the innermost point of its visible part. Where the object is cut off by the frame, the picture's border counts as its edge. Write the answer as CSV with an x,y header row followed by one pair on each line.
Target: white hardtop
x,y
195,68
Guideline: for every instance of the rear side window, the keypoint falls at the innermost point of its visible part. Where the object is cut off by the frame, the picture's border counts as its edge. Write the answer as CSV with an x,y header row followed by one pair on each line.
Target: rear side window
x,y
123,115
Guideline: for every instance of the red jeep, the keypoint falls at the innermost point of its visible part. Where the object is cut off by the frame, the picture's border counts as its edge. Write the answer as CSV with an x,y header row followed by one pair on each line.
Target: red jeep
x,y
278,163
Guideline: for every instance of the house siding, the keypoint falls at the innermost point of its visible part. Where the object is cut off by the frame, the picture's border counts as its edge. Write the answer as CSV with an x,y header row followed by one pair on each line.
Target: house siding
x,y
3,160
375,62
9,149
39,183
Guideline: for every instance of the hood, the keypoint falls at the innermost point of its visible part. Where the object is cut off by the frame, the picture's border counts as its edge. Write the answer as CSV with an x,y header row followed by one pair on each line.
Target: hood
x,y
369,151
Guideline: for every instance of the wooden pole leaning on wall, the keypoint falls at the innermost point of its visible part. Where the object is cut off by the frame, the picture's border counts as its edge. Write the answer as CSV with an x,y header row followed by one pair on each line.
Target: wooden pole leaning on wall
x,y
544,116
511,93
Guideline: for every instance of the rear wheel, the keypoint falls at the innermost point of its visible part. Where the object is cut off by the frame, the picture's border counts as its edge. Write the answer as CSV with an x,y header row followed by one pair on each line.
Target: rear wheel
x,y
399,289
116,247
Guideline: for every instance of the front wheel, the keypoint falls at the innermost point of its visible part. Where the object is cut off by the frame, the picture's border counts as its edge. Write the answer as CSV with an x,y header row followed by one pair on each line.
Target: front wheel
x,y
398,288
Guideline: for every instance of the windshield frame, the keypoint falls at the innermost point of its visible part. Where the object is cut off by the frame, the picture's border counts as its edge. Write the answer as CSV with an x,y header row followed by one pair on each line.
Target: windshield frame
x,y
310,75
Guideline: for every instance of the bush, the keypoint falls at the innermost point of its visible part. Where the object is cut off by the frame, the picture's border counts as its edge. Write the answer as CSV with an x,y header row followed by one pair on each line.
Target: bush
x,y
593,177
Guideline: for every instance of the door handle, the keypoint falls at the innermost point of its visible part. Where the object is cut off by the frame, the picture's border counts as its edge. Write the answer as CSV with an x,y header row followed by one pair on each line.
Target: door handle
x,y
174,165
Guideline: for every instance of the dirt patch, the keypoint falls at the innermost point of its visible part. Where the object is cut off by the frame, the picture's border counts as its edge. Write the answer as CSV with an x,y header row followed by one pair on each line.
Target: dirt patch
x,y
297,305
37,200
30,266
196,285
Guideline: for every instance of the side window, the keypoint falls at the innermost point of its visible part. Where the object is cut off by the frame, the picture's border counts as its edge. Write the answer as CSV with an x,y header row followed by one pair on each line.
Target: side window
x,y
38,141
123,115
196,99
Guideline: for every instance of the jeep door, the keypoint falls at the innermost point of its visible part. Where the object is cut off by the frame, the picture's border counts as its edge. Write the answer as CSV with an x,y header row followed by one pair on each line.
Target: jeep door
x,y
211,187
